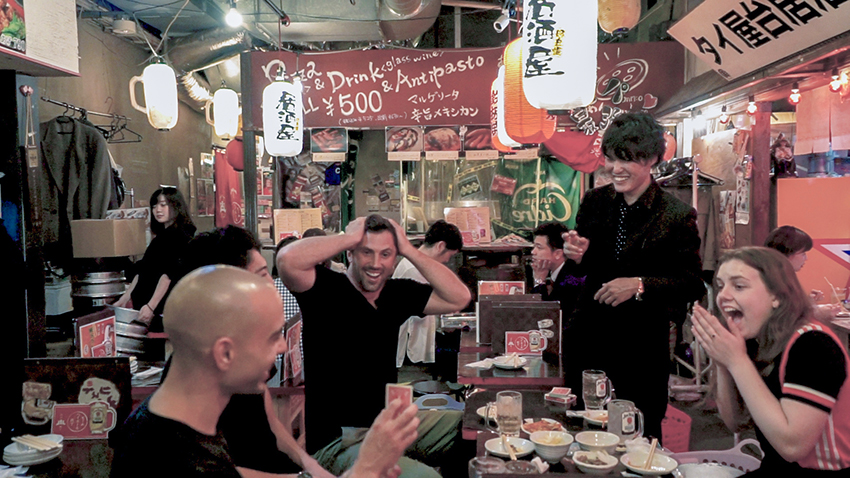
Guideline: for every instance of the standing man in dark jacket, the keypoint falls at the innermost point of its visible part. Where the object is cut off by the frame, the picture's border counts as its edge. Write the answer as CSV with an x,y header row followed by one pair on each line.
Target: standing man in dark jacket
x,y
640,249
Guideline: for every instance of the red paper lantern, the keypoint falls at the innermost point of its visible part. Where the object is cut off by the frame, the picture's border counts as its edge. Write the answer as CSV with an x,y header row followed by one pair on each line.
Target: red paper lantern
x,y
524,123
670,142
618,15
234,154
577,150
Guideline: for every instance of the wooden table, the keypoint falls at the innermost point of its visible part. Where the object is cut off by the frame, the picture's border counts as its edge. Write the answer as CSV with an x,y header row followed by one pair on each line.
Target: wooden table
x,y
79,459
533,406
538,374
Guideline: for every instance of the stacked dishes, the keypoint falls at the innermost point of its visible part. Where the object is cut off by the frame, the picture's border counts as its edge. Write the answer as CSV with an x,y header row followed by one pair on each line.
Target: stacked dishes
x,y
31,450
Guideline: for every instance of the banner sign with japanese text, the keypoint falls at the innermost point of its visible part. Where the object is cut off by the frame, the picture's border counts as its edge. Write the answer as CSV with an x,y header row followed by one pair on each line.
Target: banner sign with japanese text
x,y
631,77
377,88
737,37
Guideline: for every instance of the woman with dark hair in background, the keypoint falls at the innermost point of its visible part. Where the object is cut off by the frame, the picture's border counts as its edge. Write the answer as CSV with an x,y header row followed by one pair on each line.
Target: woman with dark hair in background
x,y
160,267
793,382
794,243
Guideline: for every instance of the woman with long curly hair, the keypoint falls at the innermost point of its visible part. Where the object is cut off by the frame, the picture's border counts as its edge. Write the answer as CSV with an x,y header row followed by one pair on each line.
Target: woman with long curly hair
x,y
793,380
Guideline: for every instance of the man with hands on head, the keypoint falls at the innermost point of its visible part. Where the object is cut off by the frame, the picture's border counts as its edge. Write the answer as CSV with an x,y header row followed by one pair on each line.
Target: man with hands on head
x,y
225,325
350,334
639,247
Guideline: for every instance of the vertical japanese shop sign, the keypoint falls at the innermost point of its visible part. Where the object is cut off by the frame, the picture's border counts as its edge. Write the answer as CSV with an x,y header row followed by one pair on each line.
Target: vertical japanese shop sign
x,y
13,30
736,37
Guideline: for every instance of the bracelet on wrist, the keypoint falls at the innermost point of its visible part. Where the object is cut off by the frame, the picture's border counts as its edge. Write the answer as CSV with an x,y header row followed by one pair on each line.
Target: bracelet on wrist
x,y
639,293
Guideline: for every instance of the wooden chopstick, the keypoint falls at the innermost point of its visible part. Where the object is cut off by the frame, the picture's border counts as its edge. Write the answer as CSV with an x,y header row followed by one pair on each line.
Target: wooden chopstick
x,y
40,444
508,447
648,464
832,288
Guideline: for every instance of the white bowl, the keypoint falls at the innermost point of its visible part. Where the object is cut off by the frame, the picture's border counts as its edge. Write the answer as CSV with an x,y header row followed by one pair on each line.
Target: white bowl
x,y
595,441
551,446
661,464
593,469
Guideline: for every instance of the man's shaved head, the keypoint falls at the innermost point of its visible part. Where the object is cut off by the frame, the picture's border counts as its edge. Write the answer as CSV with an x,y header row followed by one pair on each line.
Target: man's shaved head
x,y
213,302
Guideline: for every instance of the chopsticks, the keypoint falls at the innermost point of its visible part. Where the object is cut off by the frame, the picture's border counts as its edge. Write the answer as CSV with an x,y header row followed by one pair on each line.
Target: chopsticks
x,y
648,464
40,444
508,447
832,288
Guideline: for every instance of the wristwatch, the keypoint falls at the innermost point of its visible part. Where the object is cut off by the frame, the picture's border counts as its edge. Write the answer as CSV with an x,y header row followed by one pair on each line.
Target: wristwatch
x,y
639,292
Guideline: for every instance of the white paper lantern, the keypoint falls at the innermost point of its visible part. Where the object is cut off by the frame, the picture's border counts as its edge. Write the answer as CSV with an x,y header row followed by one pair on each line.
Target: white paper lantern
x,y
559,49
500,111
225,109
160,87
283,118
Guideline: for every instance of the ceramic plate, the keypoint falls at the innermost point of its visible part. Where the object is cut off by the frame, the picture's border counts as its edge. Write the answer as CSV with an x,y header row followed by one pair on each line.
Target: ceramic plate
x,y
661,465
521,447
29,460
549,420
482,410
597,417
18,450
508,363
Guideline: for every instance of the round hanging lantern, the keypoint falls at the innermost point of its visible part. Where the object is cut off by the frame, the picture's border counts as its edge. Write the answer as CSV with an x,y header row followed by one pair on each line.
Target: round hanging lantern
x,y
283,118
523,122
577,150
670,146
235,154
225,110
618,16
559,53
501,133
160,87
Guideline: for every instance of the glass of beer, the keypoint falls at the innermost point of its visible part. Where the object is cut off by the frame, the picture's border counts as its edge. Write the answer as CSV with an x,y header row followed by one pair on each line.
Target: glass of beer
x,y
595,389
508,413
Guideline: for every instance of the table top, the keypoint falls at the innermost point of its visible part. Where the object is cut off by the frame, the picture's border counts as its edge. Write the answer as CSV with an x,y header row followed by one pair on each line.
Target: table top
x,y
79,459
533,406
539,373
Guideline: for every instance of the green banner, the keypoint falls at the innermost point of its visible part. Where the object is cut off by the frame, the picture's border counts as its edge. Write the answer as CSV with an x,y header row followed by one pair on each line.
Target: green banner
x,y
545,190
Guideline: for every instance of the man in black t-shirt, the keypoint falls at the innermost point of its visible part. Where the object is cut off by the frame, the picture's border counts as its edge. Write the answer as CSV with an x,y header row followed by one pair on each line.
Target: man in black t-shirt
x,y
350,333
225,325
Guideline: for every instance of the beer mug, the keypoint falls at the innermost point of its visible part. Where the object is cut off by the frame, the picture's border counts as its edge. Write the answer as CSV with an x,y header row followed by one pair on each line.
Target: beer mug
x,y
595,389
508,413
624,420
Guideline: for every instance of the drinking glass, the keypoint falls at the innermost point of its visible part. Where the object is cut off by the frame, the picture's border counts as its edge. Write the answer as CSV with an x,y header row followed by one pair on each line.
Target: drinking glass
x,y
485,465
624,420
595,389
508,413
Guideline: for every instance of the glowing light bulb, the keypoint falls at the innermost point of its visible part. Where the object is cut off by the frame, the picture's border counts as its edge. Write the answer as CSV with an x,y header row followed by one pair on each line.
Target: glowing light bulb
x,y
723,118
795,96
233,17
752,108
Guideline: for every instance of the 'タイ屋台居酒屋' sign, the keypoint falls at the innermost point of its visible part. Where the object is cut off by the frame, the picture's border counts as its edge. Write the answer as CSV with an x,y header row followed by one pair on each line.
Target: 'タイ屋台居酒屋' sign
x,y
737,37
375,88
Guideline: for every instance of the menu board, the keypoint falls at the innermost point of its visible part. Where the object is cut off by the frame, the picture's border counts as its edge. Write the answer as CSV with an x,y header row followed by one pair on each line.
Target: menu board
x,y
378,88
293,222
473,222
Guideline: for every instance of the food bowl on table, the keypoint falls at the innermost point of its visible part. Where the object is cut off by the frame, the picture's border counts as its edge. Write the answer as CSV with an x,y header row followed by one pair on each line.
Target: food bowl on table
x,y
597,417
635,461
551,445
594,462
596,441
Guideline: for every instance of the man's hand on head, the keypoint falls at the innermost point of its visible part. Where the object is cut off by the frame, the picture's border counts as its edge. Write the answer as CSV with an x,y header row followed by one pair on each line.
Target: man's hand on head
x,y
356,229
404,246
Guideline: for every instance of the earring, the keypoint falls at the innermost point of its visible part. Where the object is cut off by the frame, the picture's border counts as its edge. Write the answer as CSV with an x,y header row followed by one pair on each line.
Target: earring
x,y
775,303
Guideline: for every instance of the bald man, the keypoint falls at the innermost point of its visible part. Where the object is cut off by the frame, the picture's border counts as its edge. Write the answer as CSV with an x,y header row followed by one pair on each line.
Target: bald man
x,y
225,325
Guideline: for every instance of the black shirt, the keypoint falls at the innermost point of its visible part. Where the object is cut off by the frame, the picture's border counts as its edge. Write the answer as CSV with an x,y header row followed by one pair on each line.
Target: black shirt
x,y
149,445
350,350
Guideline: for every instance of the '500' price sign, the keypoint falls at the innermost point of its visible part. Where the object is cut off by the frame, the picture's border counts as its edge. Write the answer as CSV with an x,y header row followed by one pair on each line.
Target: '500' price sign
x,y
377,88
